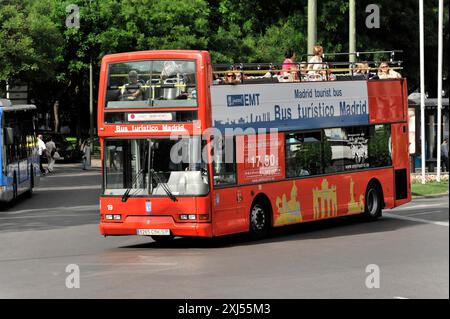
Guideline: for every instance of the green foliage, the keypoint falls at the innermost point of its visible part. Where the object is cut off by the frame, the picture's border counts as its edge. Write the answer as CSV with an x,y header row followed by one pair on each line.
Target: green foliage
x,y
25,35
430,188
37,47
378,147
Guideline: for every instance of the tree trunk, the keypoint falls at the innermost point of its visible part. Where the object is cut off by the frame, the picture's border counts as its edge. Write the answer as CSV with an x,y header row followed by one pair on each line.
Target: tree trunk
x,y
56,114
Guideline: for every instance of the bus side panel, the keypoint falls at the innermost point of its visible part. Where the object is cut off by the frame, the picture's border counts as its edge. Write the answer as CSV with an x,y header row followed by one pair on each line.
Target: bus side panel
x,y
385,101
400,159
315,198
229,215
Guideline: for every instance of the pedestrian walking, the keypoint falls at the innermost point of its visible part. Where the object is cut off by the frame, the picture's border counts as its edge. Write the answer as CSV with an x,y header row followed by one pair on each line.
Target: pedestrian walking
x,y
41,152
86,150
444,153
50,152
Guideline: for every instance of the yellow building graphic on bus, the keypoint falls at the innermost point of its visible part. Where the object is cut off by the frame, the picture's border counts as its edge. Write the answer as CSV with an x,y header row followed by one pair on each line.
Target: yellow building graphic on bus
x,y
288,211
353,206
324,200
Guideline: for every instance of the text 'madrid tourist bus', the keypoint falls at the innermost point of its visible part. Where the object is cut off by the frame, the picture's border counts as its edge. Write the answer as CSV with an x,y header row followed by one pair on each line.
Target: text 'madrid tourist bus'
x,y
19,158
185,153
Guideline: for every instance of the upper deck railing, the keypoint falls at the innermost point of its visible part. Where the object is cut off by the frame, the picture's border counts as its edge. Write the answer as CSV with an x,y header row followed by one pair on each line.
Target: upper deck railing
x,y
330,69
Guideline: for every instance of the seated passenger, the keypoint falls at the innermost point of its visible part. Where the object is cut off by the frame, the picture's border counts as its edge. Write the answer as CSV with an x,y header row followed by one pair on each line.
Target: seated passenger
x,y
315,64
133,90
363,69
289,67
385,72
327,74
232,77
303,70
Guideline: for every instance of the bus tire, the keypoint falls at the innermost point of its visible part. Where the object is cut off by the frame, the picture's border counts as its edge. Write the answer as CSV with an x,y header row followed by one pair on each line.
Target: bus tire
x,y
259,220
14,187
30,190
373,203
163,239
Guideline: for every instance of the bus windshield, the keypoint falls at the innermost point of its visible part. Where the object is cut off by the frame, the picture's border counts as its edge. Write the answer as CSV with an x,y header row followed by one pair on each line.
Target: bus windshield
x,y
148,166
151,83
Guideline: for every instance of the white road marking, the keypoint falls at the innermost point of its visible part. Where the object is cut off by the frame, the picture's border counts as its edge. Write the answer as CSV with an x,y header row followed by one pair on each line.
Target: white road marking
x,y
417,220
403,208
41,216
60,208
66,188
425,213
56,174
398,297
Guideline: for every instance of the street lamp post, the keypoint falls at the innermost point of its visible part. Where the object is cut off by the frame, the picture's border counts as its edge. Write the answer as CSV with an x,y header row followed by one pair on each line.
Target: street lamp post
x,y
352,30
312,25
422,90
439,93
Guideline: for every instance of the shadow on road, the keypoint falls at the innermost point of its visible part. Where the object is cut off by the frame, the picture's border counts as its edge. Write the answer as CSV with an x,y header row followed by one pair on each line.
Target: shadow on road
x,y
338,227
67,197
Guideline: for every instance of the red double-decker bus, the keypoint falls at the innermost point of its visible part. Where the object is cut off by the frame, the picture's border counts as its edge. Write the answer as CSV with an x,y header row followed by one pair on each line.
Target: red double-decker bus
x,y
185,153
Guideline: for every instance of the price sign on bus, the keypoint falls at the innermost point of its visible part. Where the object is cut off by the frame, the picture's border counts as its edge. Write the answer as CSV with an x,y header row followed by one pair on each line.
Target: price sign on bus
x,y
260,158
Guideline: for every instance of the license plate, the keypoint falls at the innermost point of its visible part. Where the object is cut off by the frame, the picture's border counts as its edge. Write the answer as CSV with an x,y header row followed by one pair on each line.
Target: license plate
x,y
153,232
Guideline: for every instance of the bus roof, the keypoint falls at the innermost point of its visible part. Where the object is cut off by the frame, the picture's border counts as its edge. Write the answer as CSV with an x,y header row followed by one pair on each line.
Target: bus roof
x,y
150,54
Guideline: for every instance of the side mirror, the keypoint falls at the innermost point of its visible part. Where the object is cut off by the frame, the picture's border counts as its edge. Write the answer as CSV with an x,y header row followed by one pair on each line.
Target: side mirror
x,y
9,135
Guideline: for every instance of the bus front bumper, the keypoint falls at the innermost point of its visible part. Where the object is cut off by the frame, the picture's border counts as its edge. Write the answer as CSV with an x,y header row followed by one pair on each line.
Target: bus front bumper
x,y
132,224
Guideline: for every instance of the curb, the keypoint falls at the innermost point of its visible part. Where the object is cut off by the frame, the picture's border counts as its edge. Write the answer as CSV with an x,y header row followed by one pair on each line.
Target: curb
x,y
430,196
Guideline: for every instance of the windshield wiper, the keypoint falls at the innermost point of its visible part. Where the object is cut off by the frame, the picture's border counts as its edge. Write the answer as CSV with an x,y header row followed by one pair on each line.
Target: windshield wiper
x,y
163,185
126,195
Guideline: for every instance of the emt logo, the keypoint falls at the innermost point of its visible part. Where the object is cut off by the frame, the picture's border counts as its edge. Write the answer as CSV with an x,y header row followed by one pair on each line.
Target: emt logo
x,y
243,99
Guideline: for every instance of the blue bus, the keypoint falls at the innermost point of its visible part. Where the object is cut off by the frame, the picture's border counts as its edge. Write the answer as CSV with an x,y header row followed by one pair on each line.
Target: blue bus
x,y
19,159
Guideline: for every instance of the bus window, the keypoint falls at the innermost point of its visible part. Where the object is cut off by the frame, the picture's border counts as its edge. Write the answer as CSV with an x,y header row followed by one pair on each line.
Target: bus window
x,y
126,164
157,83
379,146
143,165
336,150
303,154
223,157
353,148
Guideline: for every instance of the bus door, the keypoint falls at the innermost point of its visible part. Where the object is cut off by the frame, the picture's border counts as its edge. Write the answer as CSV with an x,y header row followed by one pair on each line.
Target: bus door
x,y
228,216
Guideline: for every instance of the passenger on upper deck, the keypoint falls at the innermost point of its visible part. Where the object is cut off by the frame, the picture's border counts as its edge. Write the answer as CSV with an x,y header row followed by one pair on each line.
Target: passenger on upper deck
x,y
303,70
363,70
289,67
327,73
133,89
385,72
315,63
233,77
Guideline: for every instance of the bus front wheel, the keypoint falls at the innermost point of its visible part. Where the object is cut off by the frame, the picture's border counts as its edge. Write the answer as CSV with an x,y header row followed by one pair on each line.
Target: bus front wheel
x,y
259,221
373,203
